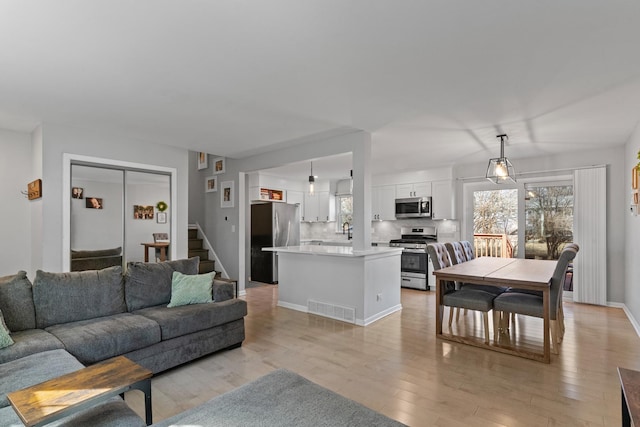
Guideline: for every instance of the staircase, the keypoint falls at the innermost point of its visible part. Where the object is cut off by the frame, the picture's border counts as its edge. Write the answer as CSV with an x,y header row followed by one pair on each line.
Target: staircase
x,y
195,249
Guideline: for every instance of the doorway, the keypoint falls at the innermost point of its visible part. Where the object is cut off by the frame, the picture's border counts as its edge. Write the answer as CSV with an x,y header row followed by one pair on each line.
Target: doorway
x,y
532,218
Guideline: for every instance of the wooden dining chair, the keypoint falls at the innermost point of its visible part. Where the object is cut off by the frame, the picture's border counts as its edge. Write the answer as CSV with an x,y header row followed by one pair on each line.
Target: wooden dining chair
x,y
459,298
531,304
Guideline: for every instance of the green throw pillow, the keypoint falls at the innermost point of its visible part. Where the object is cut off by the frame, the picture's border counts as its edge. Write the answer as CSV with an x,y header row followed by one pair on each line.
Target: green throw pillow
x,y
191,289
5,339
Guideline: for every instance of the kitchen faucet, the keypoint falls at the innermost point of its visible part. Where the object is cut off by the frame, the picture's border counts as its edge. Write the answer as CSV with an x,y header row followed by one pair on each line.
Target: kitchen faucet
x,y
349,236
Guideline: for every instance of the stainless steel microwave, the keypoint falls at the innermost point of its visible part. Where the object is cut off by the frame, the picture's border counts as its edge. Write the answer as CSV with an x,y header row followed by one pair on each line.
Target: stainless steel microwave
x,y
413,207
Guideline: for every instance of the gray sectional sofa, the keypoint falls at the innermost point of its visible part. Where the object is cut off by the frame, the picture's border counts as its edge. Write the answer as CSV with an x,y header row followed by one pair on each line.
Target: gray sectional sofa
x,y
66,321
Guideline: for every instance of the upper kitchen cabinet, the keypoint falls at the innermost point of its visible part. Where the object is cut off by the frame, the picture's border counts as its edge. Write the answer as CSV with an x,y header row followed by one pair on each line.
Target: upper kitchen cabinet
x,y
442,200
416,189
297,198
383,203
320,207
267,194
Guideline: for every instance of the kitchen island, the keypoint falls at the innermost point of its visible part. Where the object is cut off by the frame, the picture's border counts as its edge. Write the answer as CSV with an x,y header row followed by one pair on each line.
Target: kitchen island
x,y
335,281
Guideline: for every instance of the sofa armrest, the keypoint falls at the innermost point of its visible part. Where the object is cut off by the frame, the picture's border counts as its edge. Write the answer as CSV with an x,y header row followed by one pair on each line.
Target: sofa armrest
x,y
224,289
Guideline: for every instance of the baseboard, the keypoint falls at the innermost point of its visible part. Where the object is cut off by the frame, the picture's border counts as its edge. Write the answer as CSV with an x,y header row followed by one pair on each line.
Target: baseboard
x,y
380,315
626,310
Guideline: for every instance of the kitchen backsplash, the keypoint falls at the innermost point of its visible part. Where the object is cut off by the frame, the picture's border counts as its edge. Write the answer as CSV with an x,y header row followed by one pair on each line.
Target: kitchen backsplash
x,y
383,231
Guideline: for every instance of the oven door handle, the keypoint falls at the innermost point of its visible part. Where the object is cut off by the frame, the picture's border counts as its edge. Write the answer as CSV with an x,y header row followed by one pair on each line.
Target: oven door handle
x,y
415,251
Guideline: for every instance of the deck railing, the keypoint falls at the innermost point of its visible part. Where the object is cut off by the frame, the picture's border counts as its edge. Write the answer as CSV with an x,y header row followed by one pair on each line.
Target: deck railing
x,y
495,245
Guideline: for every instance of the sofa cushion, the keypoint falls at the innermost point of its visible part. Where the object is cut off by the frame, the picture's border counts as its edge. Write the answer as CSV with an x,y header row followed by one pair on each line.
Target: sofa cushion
x,y
98,339
34,369
5,338
191,288
16,302
178,321
79,295
110,413
29,342
148,284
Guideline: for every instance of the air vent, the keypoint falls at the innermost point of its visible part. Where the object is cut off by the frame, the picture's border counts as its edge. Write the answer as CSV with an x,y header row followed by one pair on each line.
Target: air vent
x,y
346,314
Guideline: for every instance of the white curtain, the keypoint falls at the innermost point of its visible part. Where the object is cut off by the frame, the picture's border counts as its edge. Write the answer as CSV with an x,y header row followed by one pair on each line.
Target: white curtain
x,y
590,232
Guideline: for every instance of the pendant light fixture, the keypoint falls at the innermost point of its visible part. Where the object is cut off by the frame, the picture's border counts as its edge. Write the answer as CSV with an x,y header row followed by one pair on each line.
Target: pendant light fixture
x,y
312,180
500,169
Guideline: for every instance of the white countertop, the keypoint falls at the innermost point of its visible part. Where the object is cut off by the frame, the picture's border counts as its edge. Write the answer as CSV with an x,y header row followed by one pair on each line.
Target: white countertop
x,y
346,251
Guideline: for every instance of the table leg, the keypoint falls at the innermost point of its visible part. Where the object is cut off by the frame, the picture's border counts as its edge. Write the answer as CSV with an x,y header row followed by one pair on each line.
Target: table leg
x,y
163,253
145,387
626,418
545,331
146,253
439,308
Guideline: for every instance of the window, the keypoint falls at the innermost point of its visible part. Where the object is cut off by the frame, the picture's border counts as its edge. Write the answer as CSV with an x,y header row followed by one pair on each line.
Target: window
x,y
548,219
530,219
495,222
344,212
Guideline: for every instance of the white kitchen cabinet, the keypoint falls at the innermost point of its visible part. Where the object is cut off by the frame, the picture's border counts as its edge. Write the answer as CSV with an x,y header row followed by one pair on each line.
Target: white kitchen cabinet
x,y
415,189
320,207
297,198
442,200
383,203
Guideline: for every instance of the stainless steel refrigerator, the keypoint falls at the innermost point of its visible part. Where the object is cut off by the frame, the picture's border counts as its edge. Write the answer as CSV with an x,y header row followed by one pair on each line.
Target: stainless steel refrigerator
x,y
272,224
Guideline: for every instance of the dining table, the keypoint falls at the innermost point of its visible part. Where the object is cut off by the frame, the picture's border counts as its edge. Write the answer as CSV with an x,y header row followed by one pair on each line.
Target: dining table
x,y
531,274
158,245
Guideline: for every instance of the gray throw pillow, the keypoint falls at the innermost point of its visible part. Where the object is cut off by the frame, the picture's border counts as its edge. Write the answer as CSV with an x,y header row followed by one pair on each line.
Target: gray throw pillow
x,y
191,289
16,302
5,339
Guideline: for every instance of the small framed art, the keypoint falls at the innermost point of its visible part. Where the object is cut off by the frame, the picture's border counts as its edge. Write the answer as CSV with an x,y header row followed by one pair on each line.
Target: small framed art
x,y
211,184
161,217
77,193
93,203
203,160
226,195
218,165
143,212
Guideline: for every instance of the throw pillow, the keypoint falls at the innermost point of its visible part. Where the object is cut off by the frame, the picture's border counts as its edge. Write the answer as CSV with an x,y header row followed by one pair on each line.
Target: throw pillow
x,y
191,289
5,339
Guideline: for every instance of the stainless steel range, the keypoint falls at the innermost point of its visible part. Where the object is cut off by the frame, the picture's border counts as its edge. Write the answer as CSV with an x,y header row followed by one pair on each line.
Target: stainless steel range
x,y
415,266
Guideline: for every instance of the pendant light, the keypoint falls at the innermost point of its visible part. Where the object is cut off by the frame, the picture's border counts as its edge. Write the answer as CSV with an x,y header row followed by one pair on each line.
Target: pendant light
x,y
500,169
312,181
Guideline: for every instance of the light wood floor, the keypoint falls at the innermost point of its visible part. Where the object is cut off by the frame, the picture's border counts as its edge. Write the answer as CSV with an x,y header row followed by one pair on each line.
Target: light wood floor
x,y
397,367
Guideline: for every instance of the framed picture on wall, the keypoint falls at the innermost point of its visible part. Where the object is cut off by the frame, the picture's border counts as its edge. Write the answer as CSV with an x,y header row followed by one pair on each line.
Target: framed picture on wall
x,y
143,212
218,165
203,160
93,203
161,217
226,195
211,184
77,193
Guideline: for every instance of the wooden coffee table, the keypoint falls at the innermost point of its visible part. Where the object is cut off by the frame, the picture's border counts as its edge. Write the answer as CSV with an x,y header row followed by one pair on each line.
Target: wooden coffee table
x,y
54,399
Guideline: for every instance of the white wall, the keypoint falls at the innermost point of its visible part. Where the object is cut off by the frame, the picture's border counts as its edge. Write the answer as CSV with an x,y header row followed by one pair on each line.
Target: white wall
x,y
15,227
37,206
632,241
58,139
97,228
617,199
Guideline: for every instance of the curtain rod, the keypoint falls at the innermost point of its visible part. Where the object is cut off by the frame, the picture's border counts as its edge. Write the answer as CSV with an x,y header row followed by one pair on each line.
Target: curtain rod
x,y
474,178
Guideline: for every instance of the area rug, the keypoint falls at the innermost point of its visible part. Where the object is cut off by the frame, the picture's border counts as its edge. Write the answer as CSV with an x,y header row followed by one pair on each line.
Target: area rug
x,y
281,398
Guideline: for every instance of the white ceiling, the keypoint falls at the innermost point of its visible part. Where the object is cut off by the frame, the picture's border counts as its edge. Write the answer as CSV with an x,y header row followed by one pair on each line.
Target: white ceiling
x,y
434,81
